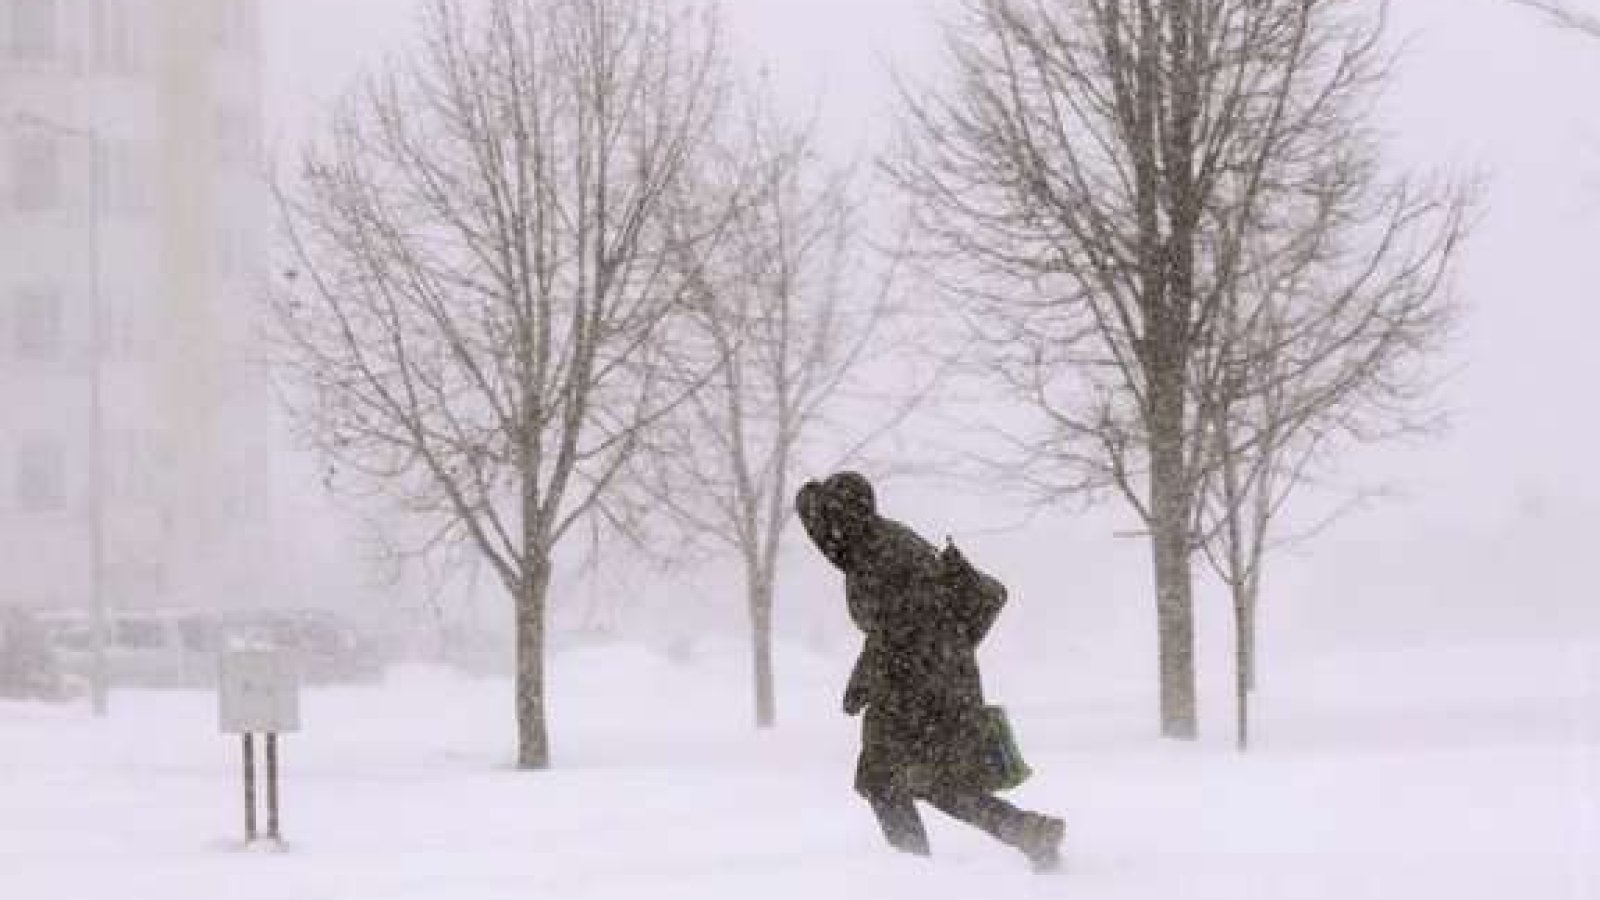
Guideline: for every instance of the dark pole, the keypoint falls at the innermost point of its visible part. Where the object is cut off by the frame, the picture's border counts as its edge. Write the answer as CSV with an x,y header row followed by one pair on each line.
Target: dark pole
x,y
272,786
249,788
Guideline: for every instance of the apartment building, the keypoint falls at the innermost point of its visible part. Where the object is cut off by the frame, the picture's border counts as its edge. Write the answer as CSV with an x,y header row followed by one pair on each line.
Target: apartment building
x,y
133,410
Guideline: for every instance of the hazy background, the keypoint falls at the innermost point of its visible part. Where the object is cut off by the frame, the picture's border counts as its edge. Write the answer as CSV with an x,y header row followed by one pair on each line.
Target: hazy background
x,y
1489,529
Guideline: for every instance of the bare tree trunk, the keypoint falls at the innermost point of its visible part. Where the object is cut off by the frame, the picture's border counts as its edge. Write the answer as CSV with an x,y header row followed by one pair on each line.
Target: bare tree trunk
x,y
1250,573
533,739
1175,624
1239,591
1243,637
1247,626
1244,640
1237,579
761,645
1170,542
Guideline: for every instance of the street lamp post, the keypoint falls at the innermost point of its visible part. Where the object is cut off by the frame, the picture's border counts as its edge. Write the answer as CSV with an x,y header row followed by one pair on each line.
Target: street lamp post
x,y
99,676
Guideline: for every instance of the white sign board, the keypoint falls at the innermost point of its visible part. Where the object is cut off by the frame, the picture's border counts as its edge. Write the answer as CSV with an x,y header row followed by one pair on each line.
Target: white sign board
x,y
258,692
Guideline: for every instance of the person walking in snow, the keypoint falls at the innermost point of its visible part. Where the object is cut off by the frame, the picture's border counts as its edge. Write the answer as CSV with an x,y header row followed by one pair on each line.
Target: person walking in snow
x,y
923,735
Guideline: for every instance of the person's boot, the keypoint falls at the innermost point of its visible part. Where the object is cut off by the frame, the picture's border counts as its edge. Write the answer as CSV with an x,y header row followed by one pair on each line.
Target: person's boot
x,y
910,843
902,826
1039,838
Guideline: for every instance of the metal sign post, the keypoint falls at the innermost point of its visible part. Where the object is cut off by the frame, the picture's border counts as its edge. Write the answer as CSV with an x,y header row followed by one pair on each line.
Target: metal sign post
x,y
249,789
258,694
272,787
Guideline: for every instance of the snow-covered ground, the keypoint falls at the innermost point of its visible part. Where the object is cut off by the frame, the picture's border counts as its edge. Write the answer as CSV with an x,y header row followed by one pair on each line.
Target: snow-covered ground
x,y
1462,772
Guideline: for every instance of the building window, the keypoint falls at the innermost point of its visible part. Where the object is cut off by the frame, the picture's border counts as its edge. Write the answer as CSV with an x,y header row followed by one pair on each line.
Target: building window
x,y
36,324
33,30
40,481
35,172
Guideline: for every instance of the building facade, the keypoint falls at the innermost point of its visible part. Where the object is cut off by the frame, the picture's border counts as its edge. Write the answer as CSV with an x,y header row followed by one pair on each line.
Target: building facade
x,y
132,216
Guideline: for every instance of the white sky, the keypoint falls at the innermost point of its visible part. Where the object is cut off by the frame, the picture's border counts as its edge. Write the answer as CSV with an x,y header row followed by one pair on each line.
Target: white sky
x,y
1482,85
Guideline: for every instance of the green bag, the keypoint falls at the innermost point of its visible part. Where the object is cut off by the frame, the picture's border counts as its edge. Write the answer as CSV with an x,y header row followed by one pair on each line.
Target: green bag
x,y
1002,756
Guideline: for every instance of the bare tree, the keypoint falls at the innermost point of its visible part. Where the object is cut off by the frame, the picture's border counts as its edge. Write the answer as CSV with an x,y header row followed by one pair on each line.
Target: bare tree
x,y
1329,321
1101,182
790,306
1325,344
484,318
1564,15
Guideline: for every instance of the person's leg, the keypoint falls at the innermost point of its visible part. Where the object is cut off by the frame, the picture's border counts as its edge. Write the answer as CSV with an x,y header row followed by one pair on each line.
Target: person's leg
x,y
1038,836
897,816
884,782
985,812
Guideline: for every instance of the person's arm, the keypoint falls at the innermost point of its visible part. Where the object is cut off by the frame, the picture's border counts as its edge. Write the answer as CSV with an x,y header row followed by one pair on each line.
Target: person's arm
x,y
858,690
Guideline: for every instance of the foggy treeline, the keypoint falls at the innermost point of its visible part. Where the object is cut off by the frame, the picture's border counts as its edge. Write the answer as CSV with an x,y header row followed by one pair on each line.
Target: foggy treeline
x,y
566,267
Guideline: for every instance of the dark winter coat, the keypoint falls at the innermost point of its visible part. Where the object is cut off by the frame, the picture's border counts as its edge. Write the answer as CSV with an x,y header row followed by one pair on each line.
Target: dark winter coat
x,y
922,615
